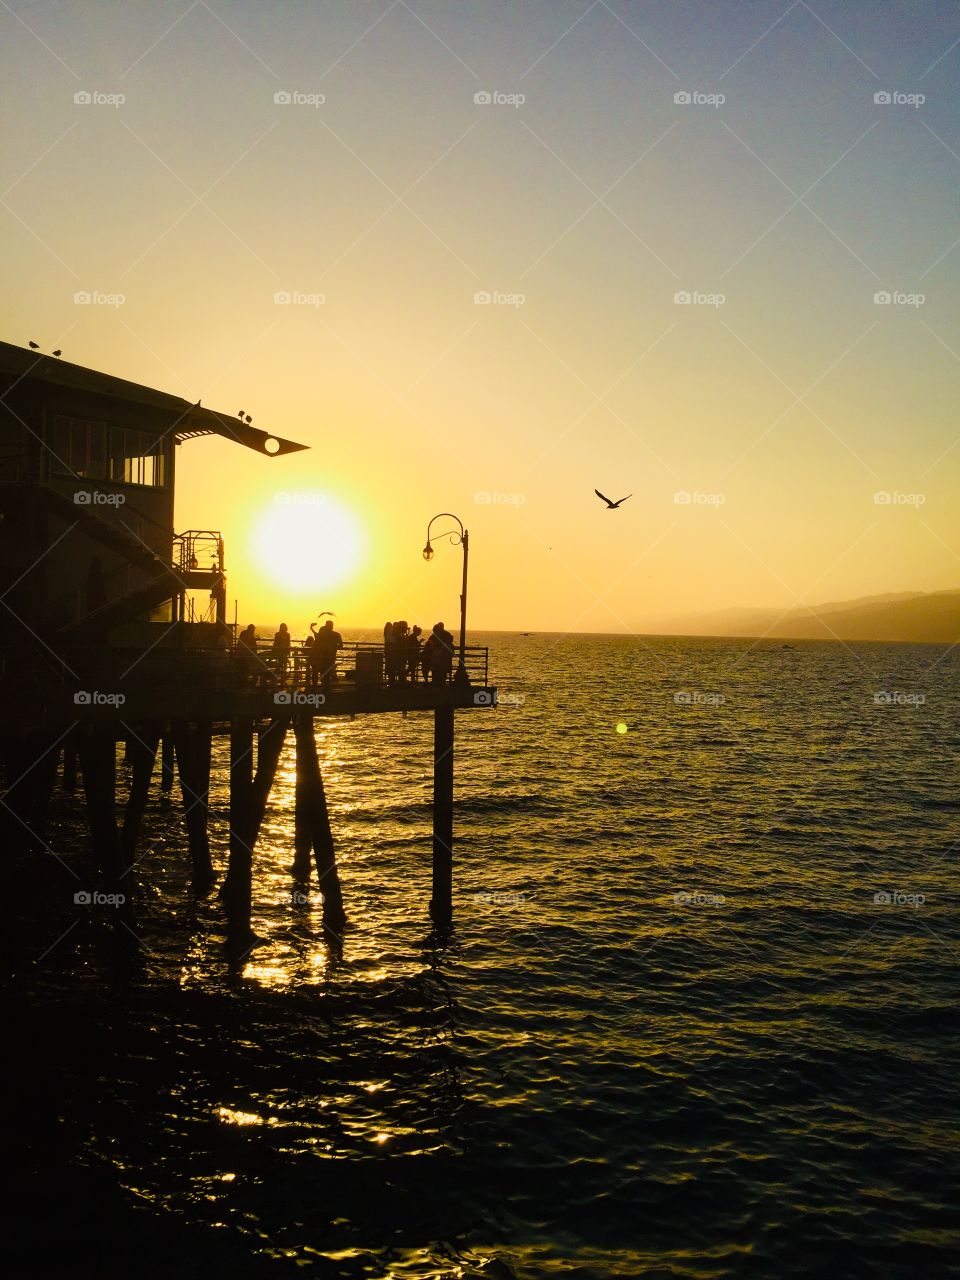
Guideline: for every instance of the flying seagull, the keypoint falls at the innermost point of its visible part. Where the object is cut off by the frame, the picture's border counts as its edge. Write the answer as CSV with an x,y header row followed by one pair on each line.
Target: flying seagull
x,y
611,506
34,346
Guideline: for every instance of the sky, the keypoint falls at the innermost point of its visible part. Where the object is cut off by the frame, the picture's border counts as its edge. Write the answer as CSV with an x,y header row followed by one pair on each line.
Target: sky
x,y
485,257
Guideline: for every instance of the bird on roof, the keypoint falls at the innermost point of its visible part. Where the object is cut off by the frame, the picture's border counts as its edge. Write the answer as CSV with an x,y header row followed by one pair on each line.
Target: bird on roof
x,y
240,414
58,353
34,346
611,506
247,419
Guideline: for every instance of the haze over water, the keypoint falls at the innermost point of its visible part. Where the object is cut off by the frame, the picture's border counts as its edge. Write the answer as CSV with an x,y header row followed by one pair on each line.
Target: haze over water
x,y
675,1031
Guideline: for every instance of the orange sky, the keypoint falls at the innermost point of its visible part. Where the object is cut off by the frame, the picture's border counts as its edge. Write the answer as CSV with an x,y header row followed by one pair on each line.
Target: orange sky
x,y
318,264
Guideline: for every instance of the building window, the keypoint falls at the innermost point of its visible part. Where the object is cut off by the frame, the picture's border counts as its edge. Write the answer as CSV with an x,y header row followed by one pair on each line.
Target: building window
x,y
100,451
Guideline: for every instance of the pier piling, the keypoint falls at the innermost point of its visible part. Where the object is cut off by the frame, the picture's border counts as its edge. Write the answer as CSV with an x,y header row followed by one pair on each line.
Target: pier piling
x,y
315,820
141,753
441,903
192,743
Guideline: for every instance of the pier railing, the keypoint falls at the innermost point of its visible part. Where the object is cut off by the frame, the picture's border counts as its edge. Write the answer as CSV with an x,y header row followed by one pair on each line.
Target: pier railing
x,y
360,664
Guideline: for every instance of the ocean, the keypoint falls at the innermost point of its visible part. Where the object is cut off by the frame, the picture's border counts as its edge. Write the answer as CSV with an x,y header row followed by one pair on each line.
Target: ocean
x,y
697,1016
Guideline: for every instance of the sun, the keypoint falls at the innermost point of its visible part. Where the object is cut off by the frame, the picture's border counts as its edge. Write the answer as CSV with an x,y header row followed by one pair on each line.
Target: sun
x,y
306,542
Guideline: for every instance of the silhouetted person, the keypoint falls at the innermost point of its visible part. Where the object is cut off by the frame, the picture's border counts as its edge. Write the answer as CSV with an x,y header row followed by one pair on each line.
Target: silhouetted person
x,y
281,653
308,667
246,652
326,643
413,653
390,652
438,654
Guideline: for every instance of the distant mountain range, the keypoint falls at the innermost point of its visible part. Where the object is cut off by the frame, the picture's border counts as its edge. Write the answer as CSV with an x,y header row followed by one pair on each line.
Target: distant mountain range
x,y
921,617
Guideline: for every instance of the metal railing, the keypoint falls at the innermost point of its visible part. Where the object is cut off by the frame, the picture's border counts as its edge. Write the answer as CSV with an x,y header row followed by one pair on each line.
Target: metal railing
x,y
360,664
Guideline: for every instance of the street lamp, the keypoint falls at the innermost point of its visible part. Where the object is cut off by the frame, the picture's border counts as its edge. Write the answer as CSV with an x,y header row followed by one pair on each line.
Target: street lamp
x,y
462,538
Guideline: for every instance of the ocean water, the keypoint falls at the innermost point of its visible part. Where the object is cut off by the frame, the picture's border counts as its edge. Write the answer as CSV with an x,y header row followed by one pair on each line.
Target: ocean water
x,y
697,1016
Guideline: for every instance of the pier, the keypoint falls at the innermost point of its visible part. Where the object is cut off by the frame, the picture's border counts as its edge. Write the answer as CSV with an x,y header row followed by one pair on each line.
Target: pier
x,y
113,636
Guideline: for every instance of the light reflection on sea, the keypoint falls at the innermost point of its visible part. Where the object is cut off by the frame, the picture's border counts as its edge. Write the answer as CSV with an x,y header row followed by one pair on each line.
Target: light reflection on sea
x,y
673,1033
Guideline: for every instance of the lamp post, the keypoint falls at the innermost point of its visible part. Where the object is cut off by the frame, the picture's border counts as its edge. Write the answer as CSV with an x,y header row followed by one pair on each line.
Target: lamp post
x,y
463,539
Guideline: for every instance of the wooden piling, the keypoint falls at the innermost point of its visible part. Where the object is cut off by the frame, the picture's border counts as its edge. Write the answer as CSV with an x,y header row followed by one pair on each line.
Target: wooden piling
x,y
166,764
141,753
248,802
441,903
311,804
192,744
97,750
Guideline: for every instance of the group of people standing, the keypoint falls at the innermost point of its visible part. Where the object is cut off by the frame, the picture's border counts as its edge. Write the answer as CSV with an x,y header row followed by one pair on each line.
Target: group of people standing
x,y
405,658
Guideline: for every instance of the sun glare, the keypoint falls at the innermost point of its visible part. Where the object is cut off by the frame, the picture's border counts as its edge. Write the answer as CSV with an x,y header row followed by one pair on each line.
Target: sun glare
x,y
306,542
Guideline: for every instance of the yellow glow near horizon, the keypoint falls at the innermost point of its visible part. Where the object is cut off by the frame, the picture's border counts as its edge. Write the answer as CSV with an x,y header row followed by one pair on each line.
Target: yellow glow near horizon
x,y
306,542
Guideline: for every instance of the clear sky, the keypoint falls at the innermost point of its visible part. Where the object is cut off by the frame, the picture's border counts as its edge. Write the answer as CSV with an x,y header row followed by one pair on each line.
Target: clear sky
x,y
584,198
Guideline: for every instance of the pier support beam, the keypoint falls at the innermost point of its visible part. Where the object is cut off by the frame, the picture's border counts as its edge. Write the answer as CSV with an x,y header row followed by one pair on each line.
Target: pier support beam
x,y
166,764
441,903
98,764
141,752
313,822
248,803
192,744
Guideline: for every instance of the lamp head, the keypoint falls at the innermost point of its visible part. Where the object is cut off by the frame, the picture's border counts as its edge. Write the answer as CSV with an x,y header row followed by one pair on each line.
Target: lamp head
x,y
428,551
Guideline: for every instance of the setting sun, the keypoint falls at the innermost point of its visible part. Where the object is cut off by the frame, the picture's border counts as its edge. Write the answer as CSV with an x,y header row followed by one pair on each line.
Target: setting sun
x,y
306,542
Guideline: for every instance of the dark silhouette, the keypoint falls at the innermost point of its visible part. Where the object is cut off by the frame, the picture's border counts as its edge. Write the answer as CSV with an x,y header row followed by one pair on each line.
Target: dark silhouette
x,y
246,653
611,506
412,647
438,654
281,653
326,643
